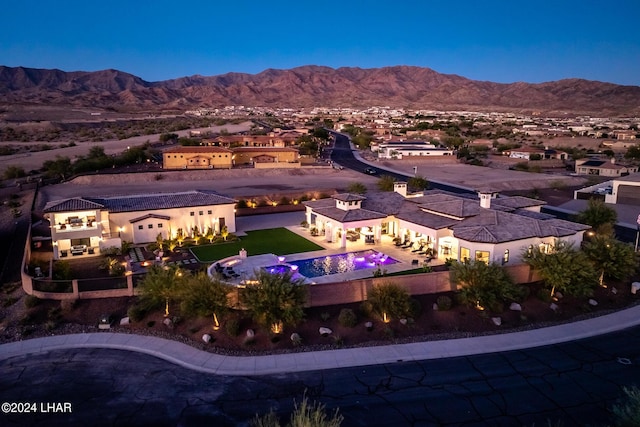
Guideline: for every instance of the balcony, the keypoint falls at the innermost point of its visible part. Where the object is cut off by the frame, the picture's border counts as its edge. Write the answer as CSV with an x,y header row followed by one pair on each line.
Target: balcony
x,y
76,226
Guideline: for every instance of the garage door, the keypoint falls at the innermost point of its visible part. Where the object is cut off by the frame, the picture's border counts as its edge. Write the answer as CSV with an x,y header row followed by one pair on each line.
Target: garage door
x,y
629,195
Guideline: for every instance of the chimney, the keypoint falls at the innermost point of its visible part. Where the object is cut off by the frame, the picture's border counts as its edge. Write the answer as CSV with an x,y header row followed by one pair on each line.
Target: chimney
x,y
400,187
485,200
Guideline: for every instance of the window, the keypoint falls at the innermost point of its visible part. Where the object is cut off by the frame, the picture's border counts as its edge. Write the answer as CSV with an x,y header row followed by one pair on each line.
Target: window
x,y
200,213
482,256
140,227
465,254
150,226
209,212
192,213
159,225
505,257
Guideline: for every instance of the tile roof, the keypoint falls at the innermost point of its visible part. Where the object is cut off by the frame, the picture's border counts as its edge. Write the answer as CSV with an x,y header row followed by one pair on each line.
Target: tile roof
x,y
352,215
348,197
142,202
143,217
197,149
71,205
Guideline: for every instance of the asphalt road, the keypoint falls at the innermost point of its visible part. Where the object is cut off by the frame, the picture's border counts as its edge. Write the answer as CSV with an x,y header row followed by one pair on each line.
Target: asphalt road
x,y
575,383
343,156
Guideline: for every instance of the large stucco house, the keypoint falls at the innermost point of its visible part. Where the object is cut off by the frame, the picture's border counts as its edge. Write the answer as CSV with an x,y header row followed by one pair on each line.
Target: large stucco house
x,y
83,226
453,226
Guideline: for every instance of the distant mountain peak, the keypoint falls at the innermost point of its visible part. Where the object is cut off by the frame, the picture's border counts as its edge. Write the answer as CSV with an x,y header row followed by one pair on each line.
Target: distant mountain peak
x,y
313,85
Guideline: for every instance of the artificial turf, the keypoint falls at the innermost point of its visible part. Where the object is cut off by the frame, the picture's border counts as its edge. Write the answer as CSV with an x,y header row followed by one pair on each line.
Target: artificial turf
x,y
278,241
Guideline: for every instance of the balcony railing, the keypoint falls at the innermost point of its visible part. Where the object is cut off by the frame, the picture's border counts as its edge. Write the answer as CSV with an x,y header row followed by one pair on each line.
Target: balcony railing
x,y
78,226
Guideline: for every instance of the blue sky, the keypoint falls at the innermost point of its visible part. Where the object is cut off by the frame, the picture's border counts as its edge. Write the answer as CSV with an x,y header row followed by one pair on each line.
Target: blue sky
x,y
500,41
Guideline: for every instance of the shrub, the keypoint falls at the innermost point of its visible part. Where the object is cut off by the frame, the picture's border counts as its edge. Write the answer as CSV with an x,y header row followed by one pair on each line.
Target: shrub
x,y
366,308
627,411
390,299
444,303
523,293
415,308
325,316
151,323
31,301
347,318
242,204
136,313
232,326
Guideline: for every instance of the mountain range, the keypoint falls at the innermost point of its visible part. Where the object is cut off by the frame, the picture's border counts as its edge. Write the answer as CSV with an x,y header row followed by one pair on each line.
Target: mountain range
x,y
312,86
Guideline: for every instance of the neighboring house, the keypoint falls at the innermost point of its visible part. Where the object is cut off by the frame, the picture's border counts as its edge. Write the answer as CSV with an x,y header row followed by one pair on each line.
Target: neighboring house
x,y
497,229
212,157
196,157
266,156
526,153
398,150
274,139
86,225
603,168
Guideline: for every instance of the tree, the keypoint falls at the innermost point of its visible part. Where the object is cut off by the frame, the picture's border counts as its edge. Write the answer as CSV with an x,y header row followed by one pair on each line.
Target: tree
x,y
224,232
598,215
59,168
159,286
482,284
633,152
202,296
357,188
385,183
418,183
563,268
13,172
276,300
611,258
389,299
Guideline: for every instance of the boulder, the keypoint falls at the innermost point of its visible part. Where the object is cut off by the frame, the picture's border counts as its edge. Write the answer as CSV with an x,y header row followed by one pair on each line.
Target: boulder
x,y
250,333
206,338
515,307
558,295
635,287
593,302
435,306
403,321
295,337
554,306
614,291
325,331
124,321
496,321
167,322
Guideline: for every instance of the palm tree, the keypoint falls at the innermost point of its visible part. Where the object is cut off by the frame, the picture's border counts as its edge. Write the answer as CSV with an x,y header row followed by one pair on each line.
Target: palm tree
x,y
357,188
599,216
385,183
276,300
612,258
482,284
159,286
202,296
564,269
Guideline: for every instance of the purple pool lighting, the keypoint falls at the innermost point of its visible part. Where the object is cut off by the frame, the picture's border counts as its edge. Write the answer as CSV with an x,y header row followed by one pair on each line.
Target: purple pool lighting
x,y
342,263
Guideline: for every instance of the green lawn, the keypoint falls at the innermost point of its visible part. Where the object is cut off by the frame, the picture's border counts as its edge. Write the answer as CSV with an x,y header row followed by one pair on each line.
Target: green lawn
x,y
279,241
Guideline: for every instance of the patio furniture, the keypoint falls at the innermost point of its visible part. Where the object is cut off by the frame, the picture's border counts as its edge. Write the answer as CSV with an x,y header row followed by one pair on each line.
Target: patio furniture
x,y
418,249
407,245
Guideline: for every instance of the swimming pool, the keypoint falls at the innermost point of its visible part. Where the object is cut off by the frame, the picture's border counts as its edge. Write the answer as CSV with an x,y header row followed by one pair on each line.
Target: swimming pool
x,y
335,264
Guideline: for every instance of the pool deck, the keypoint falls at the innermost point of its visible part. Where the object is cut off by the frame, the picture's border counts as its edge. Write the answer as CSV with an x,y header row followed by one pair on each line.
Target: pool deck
x,y
404,257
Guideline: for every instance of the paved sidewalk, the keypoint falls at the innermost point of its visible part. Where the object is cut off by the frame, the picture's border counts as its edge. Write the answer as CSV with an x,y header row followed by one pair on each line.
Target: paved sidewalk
x,y
191,358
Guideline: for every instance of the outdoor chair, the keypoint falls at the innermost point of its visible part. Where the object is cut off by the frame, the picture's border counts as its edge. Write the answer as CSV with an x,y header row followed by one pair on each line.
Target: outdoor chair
x,y
407,245
419,249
